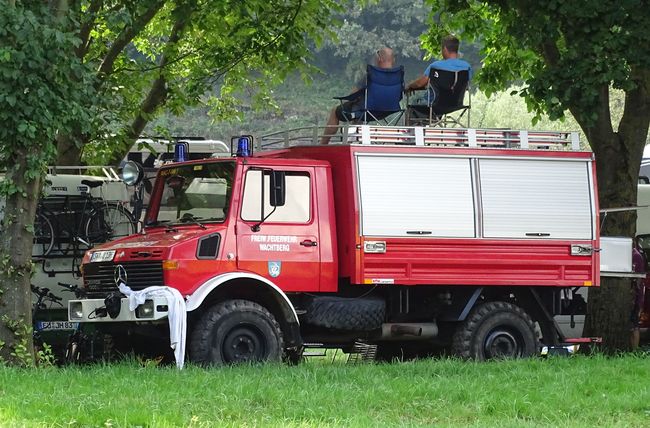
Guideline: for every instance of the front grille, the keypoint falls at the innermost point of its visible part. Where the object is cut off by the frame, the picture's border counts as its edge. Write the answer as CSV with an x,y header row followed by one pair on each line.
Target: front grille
x,y
99,278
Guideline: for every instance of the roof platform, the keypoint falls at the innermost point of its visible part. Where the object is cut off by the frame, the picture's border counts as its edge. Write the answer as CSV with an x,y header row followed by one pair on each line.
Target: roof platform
x,y
425,136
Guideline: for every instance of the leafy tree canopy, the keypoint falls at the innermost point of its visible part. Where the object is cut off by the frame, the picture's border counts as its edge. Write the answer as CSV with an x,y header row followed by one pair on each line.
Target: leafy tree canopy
x,y
151,55
39,94
363,28
565,52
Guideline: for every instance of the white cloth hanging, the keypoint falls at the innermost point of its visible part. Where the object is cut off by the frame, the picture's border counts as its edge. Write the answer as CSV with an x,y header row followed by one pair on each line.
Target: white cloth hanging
x,y
177,314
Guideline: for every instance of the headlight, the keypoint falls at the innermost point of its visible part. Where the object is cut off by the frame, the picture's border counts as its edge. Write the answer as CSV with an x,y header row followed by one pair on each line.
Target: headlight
x,y
75,311
145,310
132,173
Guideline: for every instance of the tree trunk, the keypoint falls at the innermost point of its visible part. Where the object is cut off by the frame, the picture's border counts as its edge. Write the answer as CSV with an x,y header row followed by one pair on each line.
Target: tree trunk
x,y
155,98
618,156
16,241
68,150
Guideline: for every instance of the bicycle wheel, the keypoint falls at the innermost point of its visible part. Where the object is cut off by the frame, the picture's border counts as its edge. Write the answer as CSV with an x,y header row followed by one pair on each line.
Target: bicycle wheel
x,y
43,236
107,223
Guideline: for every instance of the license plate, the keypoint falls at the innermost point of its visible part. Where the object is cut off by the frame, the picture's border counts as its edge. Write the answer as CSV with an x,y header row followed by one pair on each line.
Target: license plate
x,y
56,325
102,256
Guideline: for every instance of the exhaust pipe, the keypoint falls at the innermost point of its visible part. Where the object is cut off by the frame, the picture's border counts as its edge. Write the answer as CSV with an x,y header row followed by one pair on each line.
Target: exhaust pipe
x,y
408,331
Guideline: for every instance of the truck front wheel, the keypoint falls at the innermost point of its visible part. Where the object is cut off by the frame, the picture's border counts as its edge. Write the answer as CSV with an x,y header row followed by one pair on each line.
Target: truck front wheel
x,y
236,331
496,330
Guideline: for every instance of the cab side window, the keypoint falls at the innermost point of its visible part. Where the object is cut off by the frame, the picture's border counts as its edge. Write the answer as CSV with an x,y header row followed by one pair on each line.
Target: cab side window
x,y
297,207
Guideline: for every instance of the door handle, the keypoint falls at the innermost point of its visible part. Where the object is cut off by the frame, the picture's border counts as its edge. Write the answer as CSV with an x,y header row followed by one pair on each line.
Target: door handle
x,y
308,243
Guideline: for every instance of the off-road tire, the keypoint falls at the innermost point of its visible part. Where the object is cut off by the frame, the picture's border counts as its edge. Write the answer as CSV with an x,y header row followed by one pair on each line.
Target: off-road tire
x,y
236,331
346,313
496,330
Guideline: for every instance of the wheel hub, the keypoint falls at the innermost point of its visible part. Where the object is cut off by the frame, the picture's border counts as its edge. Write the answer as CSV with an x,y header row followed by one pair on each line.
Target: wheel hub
x,y
243,344
502,344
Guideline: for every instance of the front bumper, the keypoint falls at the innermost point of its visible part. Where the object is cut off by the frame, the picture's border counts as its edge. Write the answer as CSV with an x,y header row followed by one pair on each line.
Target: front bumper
x,y
94,310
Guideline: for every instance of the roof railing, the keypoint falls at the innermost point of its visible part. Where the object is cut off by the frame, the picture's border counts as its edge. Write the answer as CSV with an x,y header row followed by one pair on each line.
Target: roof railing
x,y
425,136
109,172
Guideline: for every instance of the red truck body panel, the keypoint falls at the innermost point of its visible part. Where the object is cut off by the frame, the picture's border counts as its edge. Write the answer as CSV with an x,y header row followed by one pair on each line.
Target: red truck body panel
x,y
447,261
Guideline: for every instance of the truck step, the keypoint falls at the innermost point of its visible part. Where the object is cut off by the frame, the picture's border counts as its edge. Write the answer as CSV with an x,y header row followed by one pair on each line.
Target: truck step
x,y
314,350
362,352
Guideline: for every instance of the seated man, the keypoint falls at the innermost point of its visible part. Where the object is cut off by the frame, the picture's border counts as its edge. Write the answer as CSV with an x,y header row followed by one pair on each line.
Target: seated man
x,y
450,62
342,113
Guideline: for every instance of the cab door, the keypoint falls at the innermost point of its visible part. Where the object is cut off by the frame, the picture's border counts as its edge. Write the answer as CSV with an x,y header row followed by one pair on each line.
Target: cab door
x,y
280,242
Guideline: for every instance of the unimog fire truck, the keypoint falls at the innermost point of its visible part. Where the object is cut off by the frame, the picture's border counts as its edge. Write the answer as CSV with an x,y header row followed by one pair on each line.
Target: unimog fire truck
x,y
408,238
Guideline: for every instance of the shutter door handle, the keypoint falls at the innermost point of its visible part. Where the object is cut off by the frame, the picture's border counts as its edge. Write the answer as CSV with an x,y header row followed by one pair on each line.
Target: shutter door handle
x,y
308,243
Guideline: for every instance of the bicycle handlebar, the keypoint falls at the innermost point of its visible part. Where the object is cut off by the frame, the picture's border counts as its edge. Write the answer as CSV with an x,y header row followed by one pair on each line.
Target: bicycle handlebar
x,y
69,287
44,293
78,292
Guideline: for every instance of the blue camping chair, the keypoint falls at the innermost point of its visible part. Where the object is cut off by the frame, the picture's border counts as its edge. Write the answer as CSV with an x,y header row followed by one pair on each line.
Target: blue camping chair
x,y
379,99
445,95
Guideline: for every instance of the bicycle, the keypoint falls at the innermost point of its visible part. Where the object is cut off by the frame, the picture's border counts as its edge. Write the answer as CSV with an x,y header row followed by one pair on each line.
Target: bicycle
x,y
65,223
77,340
44,301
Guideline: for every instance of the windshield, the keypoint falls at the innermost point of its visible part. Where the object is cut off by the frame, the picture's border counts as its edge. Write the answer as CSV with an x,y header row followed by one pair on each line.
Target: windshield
x,y
195,193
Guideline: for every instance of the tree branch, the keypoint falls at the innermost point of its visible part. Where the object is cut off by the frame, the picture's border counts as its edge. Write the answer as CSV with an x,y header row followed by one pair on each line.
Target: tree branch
x,y
218,74
86,28
158,92
125,37
158,66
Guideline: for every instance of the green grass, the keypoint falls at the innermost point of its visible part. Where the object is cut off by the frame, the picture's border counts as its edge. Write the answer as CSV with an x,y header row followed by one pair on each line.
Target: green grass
x,y
576,391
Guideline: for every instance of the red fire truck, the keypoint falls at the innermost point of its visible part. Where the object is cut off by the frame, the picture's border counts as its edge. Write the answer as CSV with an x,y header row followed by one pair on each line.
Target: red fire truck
x,y
407,238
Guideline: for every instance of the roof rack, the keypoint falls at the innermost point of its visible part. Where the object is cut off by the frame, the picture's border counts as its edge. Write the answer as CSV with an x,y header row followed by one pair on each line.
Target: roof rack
x,y
426,136
109,172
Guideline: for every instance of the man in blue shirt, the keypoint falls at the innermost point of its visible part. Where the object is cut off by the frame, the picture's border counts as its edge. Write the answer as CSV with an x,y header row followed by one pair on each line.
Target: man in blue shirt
x,y
450,62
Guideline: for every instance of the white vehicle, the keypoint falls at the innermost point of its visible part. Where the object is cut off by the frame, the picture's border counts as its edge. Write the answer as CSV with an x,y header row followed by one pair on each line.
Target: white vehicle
x,y
152,153
645,163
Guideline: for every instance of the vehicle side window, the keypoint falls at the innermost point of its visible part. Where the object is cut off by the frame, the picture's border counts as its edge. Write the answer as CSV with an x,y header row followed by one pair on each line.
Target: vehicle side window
x,y
297,207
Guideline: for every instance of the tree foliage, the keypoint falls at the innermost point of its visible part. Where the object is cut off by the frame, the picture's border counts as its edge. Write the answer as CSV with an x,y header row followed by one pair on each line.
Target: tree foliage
x,y
569,56
363,28
565,52
39,97
156,55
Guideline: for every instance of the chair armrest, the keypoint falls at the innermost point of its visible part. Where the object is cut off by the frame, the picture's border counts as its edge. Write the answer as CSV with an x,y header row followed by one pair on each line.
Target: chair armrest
x,y
352,96
412,92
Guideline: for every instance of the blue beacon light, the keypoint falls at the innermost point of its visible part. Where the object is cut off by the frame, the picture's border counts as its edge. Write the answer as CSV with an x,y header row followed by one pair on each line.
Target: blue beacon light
x,y
243,147
180,151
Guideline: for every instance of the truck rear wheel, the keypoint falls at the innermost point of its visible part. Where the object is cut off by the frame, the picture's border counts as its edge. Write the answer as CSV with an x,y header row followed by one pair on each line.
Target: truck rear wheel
x,y
236,331
496,330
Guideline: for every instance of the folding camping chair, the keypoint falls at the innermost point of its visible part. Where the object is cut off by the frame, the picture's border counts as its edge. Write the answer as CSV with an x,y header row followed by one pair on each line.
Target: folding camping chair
x,y
444,105
381,97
